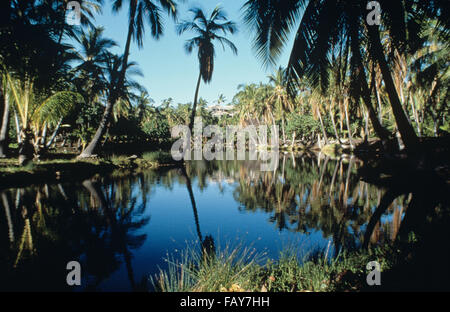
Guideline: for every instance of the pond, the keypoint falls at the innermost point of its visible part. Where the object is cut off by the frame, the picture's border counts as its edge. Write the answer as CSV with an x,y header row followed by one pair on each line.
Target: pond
x,y
122,228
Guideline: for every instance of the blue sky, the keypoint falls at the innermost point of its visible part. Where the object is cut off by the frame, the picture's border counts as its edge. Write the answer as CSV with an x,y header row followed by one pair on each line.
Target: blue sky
x,y
170,72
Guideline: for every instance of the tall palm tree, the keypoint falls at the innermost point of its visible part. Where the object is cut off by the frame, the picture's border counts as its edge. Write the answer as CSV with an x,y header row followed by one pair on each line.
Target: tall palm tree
x,y
327,22
139,11
130,88
126,94
207,31
280,98
92,57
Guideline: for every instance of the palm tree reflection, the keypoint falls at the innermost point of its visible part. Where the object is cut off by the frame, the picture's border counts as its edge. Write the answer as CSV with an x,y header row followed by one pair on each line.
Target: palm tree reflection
x,y
92,229
121,220
207,245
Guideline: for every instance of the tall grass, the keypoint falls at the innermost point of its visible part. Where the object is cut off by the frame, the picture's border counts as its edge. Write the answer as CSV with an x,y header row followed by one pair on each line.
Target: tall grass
x,y
243,269
199,270
162,157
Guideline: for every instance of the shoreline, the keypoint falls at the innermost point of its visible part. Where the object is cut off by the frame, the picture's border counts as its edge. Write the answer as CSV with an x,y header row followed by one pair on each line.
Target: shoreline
x,y
63,167
61,170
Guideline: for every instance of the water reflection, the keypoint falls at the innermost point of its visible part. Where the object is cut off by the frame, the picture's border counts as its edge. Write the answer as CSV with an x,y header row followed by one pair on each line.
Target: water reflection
x,y
106,223
55,225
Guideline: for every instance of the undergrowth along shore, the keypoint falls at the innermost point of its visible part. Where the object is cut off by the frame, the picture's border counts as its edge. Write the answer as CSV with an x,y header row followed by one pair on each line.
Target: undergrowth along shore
x,y
241,269
59,169
56,167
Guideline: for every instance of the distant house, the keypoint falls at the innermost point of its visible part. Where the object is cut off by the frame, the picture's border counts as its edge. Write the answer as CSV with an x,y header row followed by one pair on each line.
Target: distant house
x,y
221,110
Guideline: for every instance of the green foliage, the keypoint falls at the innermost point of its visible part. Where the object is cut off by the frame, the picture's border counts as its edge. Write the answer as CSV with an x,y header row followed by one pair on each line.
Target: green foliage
x,y
157,129
40,65
85,120
303,125
160,157
57,106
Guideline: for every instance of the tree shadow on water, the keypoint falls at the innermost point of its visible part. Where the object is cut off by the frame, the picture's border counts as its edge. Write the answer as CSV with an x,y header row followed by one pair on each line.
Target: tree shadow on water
x,y
207,245
423,240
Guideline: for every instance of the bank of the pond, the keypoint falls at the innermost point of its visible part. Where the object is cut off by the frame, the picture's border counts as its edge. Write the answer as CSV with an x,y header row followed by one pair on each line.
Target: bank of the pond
x,y
73,169
240,270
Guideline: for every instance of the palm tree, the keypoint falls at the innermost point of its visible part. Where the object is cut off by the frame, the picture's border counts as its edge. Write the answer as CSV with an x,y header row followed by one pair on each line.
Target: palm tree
x,y
246,102
138,10
207,30
87,10
125,95
327,23
143,107
280,98
37,109
92,57
130,88
430,81
221,99
255,100
28,52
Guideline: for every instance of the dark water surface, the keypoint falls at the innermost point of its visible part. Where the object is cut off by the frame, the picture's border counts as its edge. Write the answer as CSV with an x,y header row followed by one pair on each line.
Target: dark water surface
x,y
121,229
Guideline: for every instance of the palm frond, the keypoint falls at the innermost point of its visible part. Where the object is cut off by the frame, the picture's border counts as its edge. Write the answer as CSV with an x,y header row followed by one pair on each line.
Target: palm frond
x,y
56,107
271,20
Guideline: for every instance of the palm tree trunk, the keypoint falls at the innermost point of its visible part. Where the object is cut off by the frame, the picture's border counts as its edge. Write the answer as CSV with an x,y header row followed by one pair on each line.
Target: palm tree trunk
x,y
407,133
25,147
322,126
106,136
366,126
414,111
16,119
92,146
194,106
52,138
334,123
4,126
381,132
349,129
44,135
377,93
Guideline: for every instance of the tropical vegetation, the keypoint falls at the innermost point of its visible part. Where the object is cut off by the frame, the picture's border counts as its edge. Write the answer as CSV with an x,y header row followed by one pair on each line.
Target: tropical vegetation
x,y
372,97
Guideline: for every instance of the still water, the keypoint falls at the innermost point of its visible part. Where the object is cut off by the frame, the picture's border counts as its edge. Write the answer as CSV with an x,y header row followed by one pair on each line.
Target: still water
x,y
122,228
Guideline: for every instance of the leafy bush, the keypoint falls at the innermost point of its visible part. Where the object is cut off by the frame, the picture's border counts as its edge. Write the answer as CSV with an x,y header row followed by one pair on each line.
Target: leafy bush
x,y
157,129
303,125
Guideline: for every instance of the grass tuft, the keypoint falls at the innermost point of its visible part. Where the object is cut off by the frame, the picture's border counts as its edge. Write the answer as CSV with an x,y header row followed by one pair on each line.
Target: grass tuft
x,y
240,269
